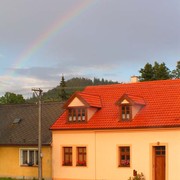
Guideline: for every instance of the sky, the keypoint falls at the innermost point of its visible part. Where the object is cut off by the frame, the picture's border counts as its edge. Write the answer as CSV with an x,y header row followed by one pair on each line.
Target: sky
x,y
112,39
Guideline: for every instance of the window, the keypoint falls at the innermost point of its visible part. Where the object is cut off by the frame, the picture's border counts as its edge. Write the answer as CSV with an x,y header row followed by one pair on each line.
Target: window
x,y
77,115
17,120
81,156
67,153
160,150
124,156
126,112
29,157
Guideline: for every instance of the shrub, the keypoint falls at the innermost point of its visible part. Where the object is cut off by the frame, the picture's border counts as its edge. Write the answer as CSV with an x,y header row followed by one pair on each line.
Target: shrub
x,y
137,176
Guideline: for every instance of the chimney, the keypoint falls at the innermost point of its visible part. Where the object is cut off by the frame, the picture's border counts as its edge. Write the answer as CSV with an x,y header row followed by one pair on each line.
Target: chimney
x,y
134,79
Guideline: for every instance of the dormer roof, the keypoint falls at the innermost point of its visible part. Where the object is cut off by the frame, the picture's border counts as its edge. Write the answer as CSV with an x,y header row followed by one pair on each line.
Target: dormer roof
x,y
132,99
85,99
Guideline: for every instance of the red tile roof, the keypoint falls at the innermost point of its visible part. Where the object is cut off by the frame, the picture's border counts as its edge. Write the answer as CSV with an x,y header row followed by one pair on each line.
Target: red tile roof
x,y
162,106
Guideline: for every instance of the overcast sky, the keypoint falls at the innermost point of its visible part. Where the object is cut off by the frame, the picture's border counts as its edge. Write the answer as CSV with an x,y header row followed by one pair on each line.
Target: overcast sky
x,y
112,39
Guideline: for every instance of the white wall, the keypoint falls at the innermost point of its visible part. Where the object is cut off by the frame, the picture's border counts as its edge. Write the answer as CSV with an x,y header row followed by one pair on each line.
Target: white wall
x,y
102,154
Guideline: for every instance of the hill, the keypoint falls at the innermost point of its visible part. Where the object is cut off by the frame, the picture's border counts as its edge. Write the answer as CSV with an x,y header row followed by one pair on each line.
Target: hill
x,y
72,85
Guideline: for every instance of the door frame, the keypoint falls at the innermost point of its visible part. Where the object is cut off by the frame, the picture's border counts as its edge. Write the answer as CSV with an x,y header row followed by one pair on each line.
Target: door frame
x,y
152,159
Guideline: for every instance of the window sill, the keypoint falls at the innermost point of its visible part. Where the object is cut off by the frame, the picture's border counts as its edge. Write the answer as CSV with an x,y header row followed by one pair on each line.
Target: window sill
x,y
81,166
120,166
24,165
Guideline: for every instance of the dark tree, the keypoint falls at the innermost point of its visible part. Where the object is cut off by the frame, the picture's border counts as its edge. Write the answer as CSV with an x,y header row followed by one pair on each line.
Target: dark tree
x,y
63,94
156,72
147,73
176,72
96,81
12,98
161,71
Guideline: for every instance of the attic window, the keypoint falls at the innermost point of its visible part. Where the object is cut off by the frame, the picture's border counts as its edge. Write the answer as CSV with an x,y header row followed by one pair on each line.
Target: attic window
x,y
77,114
126,112
17,120
129,106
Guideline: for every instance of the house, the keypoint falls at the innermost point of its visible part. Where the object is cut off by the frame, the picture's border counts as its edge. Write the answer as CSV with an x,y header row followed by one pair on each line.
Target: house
x,y
19,139
107,132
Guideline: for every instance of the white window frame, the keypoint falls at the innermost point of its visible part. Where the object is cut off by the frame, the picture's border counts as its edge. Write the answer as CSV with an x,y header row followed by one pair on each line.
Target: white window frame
x,y
28,156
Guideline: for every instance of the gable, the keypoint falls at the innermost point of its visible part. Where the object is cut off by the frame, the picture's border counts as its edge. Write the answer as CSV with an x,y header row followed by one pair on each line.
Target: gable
x,y
76,102
125,101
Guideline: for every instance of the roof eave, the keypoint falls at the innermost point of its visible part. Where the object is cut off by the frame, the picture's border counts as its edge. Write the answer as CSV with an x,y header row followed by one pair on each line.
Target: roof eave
x,y
113,128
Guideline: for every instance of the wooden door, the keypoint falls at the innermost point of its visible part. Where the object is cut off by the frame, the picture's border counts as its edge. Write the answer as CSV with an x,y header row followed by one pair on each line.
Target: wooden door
x,y
160,161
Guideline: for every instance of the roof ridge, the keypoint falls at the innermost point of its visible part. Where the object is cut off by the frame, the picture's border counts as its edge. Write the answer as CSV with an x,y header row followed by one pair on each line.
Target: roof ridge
x,y
164,82
88,94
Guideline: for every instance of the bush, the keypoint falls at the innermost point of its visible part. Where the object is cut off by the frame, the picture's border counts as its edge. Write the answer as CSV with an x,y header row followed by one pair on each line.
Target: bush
x,y
137,176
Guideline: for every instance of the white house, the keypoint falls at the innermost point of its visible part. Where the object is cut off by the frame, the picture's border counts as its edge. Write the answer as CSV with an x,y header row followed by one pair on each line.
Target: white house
x,y
108,131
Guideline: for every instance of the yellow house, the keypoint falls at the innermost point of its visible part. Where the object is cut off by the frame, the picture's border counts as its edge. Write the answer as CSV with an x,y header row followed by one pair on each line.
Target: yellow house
x,y
114,132
19,139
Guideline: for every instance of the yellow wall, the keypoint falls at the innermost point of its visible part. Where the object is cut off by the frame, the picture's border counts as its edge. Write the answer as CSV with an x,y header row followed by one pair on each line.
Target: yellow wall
x,y
102,153
10,163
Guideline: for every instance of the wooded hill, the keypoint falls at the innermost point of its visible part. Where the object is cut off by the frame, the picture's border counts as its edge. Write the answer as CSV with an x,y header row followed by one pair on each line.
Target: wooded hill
x,y
71,86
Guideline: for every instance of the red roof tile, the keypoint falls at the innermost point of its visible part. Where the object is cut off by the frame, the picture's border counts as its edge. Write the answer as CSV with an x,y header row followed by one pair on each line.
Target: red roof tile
x,y
87,99
92,100
162,106
133,99
137,99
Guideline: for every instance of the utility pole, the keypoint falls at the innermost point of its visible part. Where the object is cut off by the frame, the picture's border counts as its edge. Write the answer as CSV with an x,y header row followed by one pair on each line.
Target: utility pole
x,y
38,93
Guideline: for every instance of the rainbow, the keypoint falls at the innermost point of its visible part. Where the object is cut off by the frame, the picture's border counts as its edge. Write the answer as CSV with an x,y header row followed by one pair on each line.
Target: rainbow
x,y
54,29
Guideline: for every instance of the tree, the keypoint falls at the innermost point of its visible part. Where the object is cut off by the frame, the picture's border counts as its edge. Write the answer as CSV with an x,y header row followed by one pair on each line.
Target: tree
x,y
156,72
97,81
176,72
161,71
12,98
147,73
63,94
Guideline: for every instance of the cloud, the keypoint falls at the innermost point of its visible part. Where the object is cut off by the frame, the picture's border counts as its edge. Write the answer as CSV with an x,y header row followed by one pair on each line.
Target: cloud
x,y
111,39
55,73
23,85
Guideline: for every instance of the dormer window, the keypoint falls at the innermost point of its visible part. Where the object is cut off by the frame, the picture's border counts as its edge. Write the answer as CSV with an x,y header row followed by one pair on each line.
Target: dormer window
x,y
126,112
78,114
81,107
129,106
